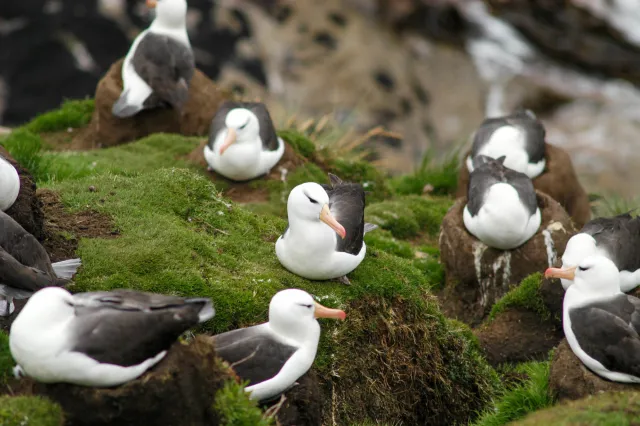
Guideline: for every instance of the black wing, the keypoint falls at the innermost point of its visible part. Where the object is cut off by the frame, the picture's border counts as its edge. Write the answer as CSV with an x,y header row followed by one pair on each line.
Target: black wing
x,y
347,202
23,246
252,353
267,130
524,186
167,66
126,328
620,237
608,332
16,275
484,133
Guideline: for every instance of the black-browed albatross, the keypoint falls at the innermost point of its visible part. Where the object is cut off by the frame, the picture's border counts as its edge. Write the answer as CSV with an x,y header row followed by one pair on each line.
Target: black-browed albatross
x,y
520,137
159,66
502,208
273,355
99,339
325,236
242,141
601,323
25,266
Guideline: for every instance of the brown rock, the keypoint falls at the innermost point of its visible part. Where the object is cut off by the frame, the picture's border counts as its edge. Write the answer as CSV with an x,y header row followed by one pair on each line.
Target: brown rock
x,y
517,336
478,275
179,391
570,379
552,293
559,180
26,210
107,130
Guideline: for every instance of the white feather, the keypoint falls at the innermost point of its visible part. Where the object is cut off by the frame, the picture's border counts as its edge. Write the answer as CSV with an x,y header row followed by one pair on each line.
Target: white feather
x,y
9,184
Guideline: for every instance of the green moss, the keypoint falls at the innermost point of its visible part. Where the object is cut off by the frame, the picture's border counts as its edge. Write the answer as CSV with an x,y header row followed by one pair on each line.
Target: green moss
x,y
299,142
525,295
371,178
384,240
607,409
29,410
6,360
443,177
407,216
236,409
530,395
72,113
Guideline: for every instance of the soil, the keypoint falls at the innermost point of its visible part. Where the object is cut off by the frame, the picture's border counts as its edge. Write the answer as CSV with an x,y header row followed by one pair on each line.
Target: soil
x,y
244,192
300,406
517,336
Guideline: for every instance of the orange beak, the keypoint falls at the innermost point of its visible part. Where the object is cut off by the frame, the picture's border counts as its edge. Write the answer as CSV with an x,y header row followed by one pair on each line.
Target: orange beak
x,y
151,4
230,139
324,312
327,217
566,273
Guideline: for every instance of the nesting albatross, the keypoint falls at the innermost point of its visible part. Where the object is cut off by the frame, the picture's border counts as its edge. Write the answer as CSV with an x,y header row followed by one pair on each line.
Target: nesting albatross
x,y
242,141
502,208
519,137
617,238
99,339
601,323
160,64
325,236
9,184
273,355
25,266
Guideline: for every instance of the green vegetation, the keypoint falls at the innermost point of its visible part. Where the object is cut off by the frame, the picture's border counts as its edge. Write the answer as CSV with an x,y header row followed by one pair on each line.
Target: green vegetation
x,y
528,396
6,360
72,114
299,142
29,410
613,205
236,409
526,295
607,409
442,176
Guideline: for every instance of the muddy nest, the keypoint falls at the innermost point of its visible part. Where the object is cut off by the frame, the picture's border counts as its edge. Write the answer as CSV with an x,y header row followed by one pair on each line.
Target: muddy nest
x,y
244,192
559,180
300,406
518,335
570,379
107,130
180,390
26,209
478,275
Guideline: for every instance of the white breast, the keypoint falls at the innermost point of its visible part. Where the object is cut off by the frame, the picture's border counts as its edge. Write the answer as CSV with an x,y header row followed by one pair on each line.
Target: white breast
x,y
9,184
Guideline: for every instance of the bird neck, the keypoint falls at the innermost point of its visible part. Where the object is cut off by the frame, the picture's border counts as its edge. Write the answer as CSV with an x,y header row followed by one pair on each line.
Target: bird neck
x,y
304,334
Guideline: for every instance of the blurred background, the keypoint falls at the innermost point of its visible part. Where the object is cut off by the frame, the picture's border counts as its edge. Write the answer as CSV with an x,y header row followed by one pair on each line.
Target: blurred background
x,y
430,70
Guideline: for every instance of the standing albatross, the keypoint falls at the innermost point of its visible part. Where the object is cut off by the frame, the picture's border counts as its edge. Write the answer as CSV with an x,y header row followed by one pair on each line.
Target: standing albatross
x,y
9,184
617,238
160,64
25,266
519,137
602,324
325,236
242,141
273,355
99,339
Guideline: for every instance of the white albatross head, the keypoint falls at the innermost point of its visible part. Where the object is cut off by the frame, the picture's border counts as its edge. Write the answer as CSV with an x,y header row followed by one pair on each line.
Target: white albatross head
x,y
309,202
579,247
596,275
47,307
169,13
292,312
242,126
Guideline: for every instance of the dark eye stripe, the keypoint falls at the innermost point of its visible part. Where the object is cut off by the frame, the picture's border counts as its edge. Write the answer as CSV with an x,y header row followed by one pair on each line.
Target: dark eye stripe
x,y
305,305
582,269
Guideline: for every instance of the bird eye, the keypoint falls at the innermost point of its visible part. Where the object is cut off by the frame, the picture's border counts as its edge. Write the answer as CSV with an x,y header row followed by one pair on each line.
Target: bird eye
x,y
312,200
243,126
582,269
305,305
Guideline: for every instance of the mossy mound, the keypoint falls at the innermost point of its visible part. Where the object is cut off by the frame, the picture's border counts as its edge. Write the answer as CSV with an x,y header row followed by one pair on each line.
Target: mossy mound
x,y
29,410
6,360
607,409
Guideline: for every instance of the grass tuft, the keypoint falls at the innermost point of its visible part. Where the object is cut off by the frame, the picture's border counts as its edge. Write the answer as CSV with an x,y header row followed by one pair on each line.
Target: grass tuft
x,y
6,360
29,410
526,295
299,142
72,114
442,177
530,395
236,409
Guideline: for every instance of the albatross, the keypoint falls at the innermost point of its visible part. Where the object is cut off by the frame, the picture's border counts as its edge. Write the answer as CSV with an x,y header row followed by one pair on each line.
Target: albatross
x,y
99,339
9,184
519,137
242,141
25,266
273,355
325,236
160,64
502,208
601,323
617,238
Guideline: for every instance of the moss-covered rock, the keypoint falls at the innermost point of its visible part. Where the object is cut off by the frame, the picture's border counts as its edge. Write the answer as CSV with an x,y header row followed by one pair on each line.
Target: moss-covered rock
x,y
607,409
29,410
